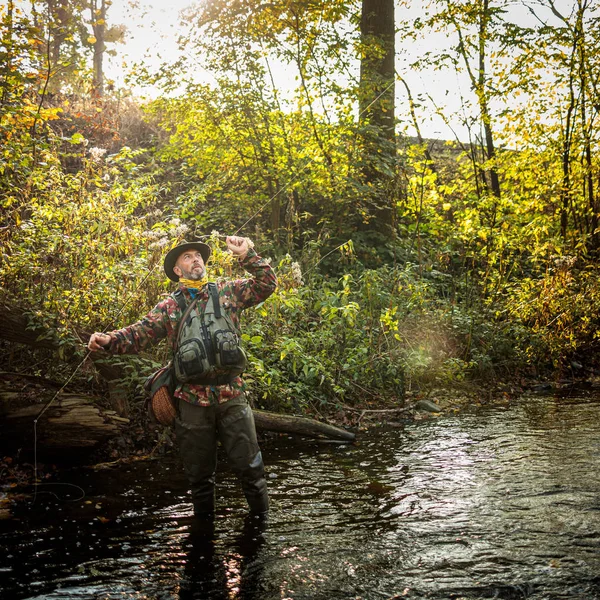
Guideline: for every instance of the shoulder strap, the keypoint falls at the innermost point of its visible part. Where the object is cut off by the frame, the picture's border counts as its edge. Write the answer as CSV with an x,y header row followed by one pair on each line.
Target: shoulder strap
x,y
186,310
178,297
214,294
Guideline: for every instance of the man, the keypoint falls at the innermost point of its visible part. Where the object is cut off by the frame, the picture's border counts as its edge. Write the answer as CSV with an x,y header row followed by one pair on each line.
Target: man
x,y
207,413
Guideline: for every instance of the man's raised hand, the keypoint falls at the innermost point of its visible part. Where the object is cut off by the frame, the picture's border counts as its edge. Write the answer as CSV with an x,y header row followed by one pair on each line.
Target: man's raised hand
x,y
238,246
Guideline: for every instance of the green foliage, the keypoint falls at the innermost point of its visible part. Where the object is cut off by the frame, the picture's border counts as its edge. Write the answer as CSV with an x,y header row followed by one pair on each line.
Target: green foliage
x,y
367,337
330,346
77,249
560,308
470,284
241,162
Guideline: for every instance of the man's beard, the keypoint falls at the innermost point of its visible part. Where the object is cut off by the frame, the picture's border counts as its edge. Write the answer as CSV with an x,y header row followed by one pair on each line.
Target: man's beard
x,y
194,274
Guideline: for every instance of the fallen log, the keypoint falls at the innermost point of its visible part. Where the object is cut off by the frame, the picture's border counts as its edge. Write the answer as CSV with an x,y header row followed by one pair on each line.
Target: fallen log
x,y
76,422
71,424
14,327
271,421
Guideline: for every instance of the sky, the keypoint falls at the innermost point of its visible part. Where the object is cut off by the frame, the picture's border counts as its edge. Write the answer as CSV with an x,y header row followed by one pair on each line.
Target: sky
x,y
153,27
152,30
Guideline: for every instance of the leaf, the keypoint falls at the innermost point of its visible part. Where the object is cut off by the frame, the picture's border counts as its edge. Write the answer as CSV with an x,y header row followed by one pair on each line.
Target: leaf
x,y
77,138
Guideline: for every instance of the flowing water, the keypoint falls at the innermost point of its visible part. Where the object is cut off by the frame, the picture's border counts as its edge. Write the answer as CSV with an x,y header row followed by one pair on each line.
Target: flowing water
x,y
498,502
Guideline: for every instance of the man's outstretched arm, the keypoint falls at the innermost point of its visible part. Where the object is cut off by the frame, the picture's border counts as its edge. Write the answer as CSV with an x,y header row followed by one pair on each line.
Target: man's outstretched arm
x,y
134,338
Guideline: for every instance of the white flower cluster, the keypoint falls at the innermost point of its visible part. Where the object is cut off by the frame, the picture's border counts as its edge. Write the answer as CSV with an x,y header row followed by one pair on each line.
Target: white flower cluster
x,y
154,234
96,154
180,229
161,238
161,243
564,262
297,274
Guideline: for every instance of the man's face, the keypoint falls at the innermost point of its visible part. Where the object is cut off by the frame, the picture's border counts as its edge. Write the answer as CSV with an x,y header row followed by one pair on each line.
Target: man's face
x,y
190,265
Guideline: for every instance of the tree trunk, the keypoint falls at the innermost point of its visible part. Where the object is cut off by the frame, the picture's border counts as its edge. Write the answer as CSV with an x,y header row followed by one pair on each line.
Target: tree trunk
x,y
60,17
483,102
565,190
377,107
98,9
6,67
377,69
491,156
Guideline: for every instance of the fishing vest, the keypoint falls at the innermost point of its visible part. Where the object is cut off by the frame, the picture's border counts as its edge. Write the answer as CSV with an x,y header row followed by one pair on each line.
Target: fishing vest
x,y
207,348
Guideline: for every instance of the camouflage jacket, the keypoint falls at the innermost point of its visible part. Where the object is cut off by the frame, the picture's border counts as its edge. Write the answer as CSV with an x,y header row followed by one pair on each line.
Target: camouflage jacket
x,y
163,321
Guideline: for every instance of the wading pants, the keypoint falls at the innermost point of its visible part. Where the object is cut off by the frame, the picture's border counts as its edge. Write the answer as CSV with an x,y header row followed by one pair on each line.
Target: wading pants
x,y
198,428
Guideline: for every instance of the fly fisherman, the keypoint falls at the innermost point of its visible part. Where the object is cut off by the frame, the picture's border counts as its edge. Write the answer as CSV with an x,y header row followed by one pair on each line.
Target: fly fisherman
x,y
212,407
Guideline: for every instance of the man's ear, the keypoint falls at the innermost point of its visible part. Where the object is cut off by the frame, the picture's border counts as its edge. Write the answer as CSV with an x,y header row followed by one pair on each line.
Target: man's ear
x,y
177,271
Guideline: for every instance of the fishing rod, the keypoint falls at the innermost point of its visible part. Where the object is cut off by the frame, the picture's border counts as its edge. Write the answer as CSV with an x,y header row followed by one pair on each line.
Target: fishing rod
x,y
65,384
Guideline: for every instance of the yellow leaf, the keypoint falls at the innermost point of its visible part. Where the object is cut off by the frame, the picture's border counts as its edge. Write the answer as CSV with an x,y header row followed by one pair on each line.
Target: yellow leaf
x,y
91,39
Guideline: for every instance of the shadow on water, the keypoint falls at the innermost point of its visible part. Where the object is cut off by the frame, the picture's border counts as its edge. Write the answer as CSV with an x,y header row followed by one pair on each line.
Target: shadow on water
x,y
502,502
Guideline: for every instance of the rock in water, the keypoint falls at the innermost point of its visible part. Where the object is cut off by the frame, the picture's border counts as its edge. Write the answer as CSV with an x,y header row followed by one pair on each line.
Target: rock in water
x,y
427,406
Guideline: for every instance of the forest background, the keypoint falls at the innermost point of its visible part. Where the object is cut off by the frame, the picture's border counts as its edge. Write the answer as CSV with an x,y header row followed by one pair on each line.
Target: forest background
x,y
404,263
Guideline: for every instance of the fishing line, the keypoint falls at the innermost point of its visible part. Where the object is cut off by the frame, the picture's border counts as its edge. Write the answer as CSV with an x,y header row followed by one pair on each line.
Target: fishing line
x,y
324,257
65,384
35,481
249,220
282,189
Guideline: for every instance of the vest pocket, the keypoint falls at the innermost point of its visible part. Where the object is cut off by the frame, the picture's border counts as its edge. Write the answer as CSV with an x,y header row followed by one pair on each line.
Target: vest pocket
x,y
191,360
227,349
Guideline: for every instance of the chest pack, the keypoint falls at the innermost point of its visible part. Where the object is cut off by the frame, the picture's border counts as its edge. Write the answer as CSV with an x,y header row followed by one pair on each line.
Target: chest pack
x,y
207,349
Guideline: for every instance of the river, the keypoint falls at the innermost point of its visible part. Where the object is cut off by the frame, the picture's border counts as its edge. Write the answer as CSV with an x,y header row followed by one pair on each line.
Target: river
x,y
495,502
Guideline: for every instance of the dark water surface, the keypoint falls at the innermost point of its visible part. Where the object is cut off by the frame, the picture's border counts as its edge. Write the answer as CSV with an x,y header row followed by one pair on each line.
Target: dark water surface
x,y
502,502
